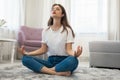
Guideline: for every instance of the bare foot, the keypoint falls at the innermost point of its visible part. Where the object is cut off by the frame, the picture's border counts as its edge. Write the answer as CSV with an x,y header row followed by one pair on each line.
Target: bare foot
x,y
68,73
53,68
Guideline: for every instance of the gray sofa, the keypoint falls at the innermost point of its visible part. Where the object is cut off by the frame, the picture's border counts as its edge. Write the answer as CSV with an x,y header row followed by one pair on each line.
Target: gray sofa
x,y
104,54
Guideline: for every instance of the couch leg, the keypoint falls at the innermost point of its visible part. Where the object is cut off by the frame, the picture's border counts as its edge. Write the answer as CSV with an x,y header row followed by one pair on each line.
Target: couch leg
x,y
91,66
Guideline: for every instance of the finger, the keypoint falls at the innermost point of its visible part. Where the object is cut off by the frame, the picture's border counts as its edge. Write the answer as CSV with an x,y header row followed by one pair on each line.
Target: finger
x,y
78,47
22,49
22,46
79,51
75,53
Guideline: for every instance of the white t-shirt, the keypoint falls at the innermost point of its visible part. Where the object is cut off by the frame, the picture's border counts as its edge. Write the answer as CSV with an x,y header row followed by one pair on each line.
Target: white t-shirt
x,y
56,40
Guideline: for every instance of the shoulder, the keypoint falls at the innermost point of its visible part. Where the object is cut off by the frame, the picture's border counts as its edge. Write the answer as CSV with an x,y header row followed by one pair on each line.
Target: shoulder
x,y
46,29
68,29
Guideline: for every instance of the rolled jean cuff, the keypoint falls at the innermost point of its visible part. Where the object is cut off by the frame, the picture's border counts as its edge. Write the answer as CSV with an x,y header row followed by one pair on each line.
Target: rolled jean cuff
x,y
40,67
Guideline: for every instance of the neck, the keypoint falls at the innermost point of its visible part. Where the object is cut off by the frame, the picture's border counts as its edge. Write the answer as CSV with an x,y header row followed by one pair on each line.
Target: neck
x,y
56,23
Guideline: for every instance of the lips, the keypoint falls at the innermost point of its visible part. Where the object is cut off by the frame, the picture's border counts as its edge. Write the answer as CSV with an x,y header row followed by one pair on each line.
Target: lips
x,y
54,12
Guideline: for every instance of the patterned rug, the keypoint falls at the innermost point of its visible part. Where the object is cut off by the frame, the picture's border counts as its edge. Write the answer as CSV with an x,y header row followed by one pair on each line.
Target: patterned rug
x,y
19,72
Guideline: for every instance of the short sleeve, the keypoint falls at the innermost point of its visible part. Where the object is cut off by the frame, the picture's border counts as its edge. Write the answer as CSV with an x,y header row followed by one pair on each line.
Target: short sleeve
x,y
70,38
43,36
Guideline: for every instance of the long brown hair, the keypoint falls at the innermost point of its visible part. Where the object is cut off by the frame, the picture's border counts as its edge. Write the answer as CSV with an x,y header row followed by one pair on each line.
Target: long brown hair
x,y
64,20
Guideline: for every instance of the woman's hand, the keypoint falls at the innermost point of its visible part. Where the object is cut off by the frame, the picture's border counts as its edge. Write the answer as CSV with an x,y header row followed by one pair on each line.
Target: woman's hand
x,y
22,50
78,52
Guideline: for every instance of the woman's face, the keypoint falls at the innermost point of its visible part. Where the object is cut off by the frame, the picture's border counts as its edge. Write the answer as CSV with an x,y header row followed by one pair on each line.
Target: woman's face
x,y
56,12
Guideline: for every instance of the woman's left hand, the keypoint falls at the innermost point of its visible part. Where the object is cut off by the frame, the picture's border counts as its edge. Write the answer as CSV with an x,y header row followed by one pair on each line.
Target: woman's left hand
x,y
78,52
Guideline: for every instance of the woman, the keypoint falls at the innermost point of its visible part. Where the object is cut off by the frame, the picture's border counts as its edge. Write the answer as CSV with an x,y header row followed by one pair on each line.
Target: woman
x,y
57,42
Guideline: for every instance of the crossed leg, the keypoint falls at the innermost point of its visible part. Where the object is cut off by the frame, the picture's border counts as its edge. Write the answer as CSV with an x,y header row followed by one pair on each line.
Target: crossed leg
x,y
68,64
39,65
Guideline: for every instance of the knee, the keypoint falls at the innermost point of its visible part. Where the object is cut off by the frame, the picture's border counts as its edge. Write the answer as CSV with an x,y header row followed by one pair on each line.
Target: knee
x,y
73,60
26,59
69,64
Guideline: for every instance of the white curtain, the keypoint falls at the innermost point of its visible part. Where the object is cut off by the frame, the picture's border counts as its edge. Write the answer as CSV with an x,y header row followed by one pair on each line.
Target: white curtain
x,y
114,20
13,12
33,12
38,11
46,12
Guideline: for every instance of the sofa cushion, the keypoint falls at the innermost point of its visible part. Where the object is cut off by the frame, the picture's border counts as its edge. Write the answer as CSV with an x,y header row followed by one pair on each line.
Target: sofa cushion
x,y
33,43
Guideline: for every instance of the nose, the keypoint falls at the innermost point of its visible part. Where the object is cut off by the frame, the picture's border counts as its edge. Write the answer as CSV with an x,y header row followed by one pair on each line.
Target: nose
x,y
54,10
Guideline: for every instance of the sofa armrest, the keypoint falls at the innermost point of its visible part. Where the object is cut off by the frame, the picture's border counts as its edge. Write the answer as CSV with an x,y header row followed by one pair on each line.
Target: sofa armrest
x,y
21,38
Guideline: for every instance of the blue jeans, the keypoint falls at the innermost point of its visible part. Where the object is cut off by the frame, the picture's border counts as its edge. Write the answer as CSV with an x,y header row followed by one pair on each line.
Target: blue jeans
x,y
61,63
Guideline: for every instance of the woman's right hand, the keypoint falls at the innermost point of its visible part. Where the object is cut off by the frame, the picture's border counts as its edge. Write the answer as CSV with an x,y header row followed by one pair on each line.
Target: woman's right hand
x,y
22,50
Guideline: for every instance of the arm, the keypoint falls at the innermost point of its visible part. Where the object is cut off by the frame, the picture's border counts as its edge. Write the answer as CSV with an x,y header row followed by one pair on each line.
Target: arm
x,y
71,52
39,51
